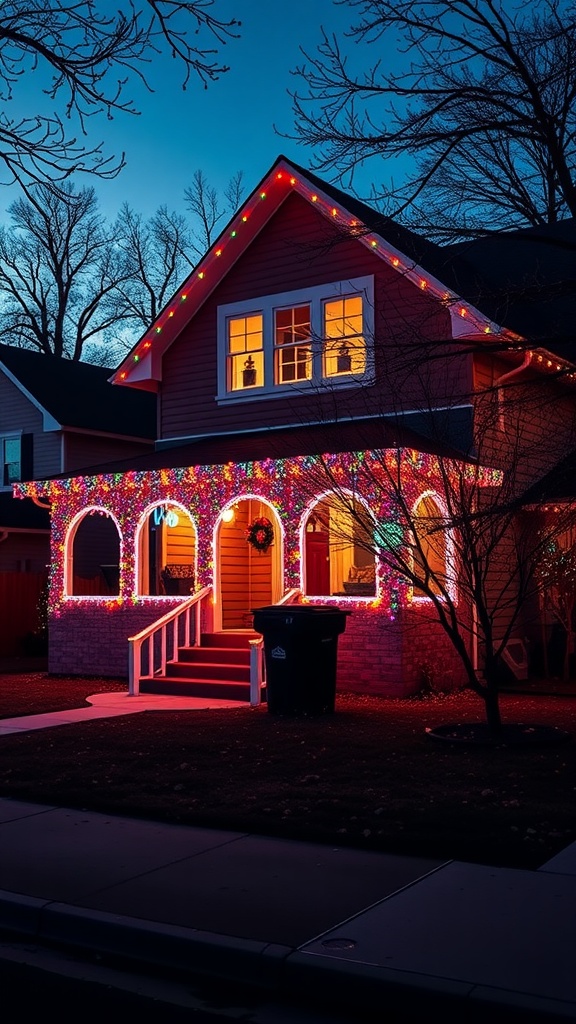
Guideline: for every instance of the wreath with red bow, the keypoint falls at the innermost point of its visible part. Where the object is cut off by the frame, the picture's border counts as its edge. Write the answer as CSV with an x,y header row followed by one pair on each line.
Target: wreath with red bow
x,y
260,534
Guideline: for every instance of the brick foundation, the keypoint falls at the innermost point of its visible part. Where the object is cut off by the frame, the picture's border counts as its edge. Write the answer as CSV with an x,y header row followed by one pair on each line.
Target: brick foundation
x,y
93,641
387,659
376,656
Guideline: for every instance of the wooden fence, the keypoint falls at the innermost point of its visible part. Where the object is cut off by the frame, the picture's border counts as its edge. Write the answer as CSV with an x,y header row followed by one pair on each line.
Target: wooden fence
x,y
19,596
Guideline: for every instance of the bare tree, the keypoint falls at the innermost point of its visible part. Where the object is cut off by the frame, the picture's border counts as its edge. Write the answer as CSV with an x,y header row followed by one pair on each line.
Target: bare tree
x,y
58,272
155,256
483,101
85,60
208,207
452,532
159,253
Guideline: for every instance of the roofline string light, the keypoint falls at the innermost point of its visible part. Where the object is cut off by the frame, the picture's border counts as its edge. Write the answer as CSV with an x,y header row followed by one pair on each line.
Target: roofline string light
x,y
355,228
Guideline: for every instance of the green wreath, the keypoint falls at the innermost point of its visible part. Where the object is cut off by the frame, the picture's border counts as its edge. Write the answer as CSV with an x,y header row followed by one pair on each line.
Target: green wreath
x,y
260,534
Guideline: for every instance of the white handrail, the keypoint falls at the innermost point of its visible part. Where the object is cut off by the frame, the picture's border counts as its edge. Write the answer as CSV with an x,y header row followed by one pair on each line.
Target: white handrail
x,y
176,622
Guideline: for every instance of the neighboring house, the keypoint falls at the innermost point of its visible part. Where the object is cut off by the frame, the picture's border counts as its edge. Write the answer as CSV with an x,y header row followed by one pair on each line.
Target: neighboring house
x,y
313,334
56,416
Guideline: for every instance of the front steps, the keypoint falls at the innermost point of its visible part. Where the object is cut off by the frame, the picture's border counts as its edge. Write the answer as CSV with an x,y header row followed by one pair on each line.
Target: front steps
x,y
218,668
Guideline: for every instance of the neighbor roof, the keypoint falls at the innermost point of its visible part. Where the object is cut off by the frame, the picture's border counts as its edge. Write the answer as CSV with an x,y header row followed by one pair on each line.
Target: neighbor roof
x,y
79,395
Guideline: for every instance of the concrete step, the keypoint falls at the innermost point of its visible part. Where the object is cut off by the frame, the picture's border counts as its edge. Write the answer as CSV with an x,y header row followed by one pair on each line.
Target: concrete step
x,y
214,655
190,687
214,669
229,638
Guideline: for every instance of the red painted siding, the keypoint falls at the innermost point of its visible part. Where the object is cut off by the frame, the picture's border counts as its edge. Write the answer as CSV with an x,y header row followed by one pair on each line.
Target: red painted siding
x,y
299,248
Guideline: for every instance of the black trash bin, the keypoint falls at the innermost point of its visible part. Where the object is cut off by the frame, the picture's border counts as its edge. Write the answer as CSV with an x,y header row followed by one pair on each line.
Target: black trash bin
x,y
300,648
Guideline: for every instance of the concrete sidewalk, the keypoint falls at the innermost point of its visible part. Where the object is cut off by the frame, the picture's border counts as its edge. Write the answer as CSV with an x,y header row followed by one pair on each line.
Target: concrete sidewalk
x,y
326,926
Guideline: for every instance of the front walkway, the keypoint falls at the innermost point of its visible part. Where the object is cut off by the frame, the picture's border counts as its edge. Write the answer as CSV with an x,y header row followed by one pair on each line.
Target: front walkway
x,y
111,705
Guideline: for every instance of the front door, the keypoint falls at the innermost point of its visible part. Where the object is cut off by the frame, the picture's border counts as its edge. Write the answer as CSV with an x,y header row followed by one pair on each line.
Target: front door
x,y
246,577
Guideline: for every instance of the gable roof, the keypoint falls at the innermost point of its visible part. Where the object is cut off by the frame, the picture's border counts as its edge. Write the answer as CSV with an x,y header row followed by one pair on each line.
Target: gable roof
x,y
78,395
525,279
485,294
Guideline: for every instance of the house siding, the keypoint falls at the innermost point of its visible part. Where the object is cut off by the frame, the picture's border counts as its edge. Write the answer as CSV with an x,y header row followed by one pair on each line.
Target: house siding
x,y
47,454
84,450
17,413
275,263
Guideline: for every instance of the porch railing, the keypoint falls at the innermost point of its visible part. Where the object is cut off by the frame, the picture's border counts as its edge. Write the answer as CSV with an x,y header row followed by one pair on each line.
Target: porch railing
x,y
150,649
257,663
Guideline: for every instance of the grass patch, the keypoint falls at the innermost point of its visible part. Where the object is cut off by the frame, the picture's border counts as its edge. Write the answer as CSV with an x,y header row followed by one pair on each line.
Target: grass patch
x,y
368,776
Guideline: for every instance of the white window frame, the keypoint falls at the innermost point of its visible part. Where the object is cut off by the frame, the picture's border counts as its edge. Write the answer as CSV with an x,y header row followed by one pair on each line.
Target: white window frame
x,y
266,306
3,439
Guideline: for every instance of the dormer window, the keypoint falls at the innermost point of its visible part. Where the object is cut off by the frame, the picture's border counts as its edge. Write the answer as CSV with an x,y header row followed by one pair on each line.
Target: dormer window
x,y
296,340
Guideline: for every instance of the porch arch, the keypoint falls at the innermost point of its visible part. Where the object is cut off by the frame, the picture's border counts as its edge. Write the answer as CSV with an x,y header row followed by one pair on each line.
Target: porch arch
x,y
433,545
245,577
93,551
338,553
166,550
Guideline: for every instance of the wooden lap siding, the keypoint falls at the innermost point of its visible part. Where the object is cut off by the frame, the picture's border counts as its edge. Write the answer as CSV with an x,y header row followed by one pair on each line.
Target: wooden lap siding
x,y
297,249
245,574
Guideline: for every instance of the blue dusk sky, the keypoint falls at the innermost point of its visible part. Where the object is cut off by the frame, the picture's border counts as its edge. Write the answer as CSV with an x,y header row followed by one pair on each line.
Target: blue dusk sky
x,y
228,127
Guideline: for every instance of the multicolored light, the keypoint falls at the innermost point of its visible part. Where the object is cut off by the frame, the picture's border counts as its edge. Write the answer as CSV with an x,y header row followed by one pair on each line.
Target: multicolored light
x,y
291,487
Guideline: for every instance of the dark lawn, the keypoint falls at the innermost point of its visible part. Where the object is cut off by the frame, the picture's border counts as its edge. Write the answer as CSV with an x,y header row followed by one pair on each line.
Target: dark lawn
x,y
369,775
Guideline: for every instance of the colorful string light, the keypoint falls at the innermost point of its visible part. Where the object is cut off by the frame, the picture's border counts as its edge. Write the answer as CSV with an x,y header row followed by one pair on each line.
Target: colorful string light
x,y
287,486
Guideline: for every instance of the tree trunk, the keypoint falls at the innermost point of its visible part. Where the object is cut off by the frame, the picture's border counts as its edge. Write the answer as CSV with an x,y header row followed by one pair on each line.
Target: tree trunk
x,y
492,705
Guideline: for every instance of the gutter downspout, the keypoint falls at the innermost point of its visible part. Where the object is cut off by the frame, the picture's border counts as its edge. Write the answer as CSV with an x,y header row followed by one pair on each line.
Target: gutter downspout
x,y
504,377
497,384
508,376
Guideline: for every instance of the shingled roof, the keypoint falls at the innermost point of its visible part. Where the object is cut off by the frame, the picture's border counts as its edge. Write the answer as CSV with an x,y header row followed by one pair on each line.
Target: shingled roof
x,y
79,395
524,280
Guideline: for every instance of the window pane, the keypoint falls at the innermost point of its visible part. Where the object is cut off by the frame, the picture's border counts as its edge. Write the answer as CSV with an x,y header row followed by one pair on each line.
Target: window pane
x,y
12,449
292,338
245,353
344,347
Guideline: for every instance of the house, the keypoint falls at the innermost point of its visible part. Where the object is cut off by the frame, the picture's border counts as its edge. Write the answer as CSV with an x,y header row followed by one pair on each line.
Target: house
x,y
314,340
56,416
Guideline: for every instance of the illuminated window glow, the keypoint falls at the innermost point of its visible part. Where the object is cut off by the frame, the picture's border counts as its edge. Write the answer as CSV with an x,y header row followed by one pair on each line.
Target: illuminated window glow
x,y
245,352
344,345
293,344
296,338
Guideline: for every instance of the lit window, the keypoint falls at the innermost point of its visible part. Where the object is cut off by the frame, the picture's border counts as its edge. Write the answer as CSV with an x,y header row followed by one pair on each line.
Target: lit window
x,y
429,550
245,352
311,337
293,344
344,347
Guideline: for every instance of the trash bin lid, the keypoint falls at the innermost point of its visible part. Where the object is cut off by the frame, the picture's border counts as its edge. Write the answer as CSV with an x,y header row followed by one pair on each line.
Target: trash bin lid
x,y
301,609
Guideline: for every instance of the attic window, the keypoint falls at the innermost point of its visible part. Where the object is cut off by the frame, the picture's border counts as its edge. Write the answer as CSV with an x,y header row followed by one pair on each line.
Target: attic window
x,y
313,337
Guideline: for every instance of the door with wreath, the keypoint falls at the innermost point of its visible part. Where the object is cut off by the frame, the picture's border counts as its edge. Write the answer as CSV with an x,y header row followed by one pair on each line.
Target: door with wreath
x,y
248,552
